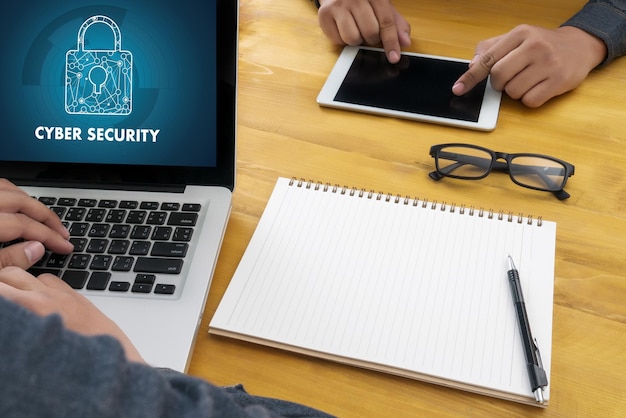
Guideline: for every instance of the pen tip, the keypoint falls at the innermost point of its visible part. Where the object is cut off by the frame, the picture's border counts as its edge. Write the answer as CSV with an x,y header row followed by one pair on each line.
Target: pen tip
x,y
511,265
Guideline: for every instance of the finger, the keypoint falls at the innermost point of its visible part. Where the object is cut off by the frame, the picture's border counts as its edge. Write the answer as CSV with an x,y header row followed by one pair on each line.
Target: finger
x,y
7,185
347,30
17,201
22,255
17,279
484,60
51,280
367,23
404,29
388,30
531,91
17,225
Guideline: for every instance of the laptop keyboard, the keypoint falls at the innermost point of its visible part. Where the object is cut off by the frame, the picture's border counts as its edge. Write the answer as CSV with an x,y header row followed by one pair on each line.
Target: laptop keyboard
x,y
126,247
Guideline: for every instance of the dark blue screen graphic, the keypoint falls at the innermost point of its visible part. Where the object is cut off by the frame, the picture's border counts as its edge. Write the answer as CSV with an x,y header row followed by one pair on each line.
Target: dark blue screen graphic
x,y
135,86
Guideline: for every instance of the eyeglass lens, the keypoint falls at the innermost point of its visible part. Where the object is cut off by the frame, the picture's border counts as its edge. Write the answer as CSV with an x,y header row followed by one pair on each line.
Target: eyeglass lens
x,y
528,170
538,172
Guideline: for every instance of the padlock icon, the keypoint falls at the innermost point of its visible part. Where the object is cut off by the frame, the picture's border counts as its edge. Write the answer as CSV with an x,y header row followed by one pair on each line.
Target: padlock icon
x,y
99,82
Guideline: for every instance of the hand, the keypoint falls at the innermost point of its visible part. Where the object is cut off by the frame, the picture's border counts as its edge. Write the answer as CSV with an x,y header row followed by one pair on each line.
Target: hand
x,y
534,64
354,22
22,217
48,295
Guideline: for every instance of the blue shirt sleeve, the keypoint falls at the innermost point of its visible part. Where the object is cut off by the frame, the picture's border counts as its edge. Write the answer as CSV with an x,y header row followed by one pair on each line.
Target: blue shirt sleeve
x,y
605,19
47,370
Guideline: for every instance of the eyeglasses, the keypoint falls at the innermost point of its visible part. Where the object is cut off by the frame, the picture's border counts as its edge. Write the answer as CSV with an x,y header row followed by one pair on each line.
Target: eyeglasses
x,y
471,162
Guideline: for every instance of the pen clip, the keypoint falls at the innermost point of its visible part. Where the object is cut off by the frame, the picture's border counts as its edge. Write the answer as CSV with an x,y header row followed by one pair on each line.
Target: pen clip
x,y
542,379
540,363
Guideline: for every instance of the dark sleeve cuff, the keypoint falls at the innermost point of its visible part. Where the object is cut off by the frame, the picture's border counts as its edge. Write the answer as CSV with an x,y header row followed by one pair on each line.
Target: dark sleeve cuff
x,y
605,20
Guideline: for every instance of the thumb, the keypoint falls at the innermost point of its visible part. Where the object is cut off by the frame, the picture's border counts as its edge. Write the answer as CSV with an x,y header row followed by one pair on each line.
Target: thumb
x,y
22,254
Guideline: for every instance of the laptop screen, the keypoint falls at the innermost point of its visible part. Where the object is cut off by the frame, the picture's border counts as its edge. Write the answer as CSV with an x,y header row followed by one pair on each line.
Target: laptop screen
x,y
138,92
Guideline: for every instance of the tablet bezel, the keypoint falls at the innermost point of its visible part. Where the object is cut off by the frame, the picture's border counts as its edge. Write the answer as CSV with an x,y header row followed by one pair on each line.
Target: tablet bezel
x,y
489,110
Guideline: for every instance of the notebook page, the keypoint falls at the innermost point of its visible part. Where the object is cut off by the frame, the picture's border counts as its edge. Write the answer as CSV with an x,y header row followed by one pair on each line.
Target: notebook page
x,y
405,284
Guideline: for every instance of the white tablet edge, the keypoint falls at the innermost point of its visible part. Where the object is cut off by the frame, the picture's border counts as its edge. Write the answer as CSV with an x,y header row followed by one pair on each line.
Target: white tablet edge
x,y
487,118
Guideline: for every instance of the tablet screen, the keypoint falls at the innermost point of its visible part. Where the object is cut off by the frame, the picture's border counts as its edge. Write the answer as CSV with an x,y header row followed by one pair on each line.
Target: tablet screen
x,y
416,84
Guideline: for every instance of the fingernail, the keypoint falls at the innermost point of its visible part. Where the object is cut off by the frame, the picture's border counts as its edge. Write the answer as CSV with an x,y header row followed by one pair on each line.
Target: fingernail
x,y
393,57
34,250
458,88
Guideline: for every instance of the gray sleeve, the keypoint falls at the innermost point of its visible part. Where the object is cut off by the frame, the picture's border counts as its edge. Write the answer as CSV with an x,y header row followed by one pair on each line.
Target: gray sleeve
x,y
46,370
605,19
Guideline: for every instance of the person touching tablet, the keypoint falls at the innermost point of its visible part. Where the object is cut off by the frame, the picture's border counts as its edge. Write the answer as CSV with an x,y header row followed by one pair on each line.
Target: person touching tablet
x,y
529,63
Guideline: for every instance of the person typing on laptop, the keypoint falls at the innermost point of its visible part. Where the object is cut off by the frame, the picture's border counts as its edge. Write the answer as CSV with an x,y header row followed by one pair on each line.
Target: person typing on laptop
x,y
530,63
61,356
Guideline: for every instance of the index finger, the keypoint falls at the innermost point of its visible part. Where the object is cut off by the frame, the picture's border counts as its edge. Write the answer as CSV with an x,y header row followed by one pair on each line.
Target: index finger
x,y
387,28
17,201
488,53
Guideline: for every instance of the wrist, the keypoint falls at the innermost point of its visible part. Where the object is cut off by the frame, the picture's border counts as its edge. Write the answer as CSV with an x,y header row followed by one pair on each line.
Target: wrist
x,y
595,50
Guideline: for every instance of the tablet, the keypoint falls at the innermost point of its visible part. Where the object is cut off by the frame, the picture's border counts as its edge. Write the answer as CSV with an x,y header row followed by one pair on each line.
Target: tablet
x,y
418,87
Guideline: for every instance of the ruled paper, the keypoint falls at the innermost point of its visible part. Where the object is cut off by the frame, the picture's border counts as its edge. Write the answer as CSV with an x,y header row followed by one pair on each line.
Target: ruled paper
x,y
396,282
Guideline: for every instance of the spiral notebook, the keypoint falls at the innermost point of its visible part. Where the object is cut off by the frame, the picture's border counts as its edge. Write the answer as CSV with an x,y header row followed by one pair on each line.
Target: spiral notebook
x,y
397,284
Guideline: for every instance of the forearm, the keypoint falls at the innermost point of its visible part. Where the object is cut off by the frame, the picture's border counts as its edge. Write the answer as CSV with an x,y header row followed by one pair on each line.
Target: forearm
x,y
606,20
48,370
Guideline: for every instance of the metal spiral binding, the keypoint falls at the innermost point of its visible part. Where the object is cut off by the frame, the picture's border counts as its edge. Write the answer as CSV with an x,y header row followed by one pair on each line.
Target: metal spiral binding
x,y
425,203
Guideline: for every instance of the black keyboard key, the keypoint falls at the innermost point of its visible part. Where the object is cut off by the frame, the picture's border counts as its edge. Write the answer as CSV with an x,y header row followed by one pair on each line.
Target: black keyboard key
x,y
164,289
182,234
119,231
161,233
140,248
141,288
169,249
57,260
75,278
191,207
95,215
87,203
140,232
98,280
118,246
75,214
97,246
156,218
149,205
66,201
101,262
99,230
119,286
145,278
128,204
136,216
79,261
182,218
122,263
143,283
107,203
116,216
158,265
170,206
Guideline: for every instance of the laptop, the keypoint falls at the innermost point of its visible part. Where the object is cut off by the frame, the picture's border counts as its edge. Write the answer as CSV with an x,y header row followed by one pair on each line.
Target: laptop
x,y
121,117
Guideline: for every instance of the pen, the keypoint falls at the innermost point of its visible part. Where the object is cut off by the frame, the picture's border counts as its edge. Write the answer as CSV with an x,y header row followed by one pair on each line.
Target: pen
x,y
536,374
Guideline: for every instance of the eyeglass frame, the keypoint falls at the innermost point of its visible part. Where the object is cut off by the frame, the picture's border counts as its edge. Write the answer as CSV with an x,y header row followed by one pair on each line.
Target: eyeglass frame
x,y
559,192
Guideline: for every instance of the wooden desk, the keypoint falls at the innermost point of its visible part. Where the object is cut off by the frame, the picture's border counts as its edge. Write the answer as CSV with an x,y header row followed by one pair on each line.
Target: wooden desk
x,y
284,60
